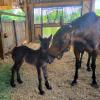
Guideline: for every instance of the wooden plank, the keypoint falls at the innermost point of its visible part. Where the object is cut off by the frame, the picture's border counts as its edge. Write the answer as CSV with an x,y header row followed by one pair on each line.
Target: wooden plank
x,y
6,7
51,4
52,25
1,2
1,44
47,25
8,2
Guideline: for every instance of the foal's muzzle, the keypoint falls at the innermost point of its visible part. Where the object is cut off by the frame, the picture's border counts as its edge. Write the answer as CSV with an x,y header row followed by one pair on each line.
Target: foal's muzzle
x,y
50,59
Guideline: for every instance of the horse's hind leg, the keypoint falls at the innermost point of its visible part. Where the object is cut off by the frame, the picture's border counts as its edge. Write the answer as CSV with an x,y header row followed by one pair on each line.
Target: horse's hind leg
x,y
44,69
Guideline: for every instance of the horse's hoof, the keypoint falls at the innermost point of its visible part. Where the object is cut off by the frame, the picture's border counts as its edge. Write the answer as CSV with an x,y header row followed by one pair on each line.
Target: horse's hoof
x,y
73,83
95,85
42,92
88,69
20,81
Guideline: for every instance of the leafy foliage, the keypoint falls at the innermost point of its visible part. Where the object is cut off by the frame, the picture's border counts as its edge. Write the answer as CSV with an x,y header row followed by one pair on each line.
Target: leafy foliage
x,y
97,12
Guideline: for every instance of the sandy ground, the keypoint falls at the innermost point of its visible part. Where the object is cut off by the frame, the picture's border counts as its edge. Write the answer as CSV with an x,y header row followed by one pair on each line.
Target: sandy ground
x,y
60,74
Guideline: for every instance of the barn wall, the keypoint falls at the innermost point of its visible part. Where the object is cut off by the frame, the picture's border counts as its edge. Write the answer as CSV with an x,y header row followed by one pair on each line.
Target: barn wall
x,y
8,36
20,32
13,34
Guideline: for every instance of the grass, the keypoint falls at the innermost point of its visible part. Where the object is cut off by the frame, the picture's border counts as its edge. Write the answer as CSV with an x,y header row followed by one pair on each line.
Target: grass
x,y
97,12
49,30
5,89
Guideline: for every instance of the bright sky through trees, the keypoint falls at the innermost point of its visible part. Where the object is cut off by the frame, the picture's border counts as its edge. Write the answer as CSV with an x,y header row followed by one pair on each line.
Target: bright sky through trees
x,y
97,4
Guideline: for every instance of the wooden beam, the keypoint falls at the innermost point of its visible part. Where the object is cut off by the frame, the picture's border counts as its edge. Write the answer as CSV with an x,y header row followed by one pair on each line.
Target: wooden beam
x,y
49,25
51,4
10,14
1,44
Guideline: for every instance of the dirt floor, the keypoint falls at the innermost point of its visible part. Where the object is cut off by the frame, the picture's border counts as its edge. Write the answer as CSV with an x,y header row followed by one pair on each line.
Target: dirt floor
x,y
60,74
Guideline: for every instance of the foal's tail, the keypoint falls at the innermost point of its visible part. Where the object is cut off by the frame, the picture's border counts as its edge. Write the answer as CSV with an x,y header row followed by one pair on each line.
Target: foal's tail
x,y
13,52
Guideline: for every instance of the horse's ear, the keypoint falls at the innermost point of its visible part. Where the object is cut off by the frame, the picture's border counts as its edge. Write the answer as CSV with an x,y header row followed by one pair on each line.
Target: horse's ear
x,y
50,37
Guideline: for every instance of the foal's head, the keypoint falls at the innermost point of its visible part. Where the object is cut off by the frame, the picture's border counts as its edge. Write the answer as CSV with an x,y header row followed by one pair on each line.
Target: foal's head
x,y
45,42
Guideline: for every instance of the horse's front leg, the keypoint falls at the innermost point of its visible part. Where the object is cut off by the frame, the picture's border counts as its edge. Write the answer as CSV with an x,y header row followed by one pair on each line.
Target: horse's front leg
x,y
93,66
77,66
40,80
44,69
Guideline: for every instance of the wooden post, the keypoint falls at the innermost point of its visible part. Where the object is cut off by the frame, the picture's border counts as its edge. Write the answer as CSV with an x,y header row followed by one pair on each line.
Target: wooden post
x,y
1,44
81,3
32,23
16,41
92,5
28,12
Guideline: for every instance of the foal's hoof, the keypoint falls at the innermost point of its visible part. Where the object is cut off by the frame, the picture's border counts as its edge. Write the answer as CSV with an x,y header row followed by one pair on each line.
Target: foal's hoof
x,y
42,92
13,84
20,81
94,84
73,83
49,87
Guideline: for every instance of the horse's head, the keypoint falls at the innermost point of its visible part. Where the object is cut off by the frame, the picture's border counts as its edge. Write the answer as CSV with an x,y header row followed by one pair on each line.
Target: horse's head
x,y
61,41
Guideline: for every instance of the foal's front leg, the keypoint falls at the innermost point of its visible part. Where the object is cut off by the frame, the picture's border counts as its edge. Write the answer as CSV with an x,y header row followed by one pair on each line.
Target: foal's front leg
x,y
44,69
40,80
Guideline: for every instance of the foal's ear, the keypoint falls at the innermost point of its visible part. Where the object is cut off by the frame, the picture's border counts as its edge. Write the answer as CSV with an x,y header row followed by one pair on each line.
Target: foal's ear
x,y
49,38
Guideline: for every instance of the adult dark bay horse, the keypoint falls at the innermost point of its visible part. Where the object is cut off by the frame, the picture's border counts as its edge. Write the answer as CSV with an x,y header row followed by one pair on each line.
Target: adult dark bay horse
x,y
84,35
